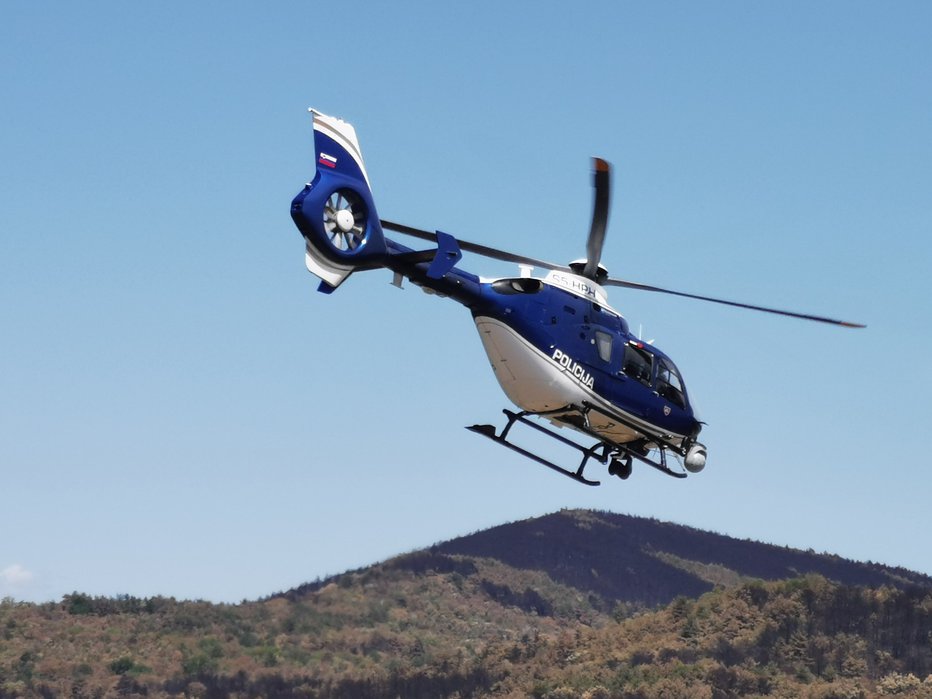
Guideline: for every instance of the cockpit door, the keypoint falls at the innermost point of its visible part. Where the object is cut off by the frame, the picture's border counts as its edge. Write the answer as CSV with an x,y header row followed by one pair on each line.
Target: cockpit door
x,y
670,384
637,372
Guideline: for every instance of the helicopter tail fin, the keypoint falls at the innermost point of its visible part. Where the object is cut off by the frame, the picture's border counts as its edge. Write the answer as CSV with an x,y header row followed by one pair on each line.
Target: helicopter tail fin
x,y
335,211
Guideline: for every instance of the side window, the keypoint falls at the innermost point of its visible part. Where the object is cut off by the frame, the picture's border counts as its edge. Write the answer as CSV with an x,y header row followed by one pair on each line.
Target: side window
x,y
637,363
603,342
669,384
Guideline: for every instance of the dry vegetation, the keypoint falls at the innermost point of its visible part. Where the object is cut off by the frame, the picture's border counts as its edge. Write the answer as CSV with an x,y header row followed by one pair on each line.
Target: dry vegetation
x,y
432,624
391,632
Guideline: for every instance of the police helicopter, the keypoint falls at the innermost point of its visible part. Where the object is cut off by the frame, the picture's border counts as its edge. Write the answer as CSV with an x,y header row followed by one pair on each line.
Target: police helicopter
x,y
560,352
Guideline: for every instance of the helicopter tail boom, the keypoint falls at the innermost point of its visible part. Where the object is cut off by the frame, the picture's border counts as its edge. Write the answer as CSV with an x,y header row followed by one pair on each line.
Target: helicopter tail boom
x,y
335,211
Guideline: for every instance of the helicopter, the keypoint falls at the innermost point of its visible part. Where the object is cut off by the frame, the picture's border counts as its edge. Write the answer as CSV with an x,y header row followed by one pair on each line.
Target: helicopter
x,y
559,351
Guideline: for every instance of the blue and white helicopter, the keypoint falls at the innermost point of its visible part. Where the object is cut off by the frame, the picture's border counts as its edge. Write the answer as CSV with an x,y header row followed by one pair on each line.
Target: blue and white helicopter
x,y
560,352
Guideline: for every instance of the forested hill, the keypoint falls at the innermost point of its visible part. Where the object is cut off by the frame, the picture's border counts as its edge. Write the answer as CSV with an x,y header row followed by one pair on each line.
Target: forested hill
x,y
565,605
638,560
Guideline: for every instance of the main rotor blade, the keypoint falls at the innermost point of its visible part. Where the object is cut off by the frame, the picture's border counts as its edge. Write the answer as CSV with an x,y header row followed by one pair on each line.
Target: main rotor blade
x,y
792,314
485,251
601,181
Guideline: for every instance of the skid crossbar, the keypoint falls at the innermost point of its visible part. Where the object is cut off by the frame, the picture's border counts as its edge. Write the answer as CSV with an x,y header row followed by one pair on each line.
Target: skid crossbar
x,y
598,451
602,451
663,444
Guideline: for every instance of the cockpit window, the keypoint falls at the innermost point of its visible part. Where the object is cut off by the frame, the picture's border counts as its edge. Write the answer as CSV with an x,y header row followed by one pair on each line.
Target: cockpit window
x,y
669,383
637,363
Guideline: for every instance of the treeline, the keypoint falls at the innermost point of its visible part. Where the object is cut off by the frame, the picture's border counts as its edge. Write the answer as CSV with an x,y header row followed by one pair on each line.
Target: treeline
x,y
802,637
80,603
806,636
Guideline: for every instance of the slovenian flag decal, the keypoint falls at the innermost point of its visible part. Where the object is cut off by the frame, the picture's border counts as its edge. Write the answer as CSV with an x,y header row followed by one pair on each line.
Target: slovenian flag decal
x,y
327,160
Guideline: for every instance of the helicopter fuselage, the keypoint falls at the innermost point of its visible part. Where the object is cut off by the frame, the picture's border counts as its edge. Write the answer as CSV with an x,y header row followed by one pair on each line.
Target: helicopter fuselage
x,y
558,350
555,343
551,348
557,347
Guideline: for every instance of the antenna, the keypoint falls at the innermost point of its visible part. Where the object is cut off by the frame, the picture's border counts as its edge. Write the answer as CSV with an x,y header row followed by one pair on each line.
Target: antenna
x,y
640,332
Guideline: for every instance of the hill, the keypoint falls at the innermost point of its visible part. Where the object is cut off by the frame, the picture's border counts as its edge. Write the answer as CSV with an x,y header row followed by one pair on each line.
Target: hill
x,y
572,604
643,561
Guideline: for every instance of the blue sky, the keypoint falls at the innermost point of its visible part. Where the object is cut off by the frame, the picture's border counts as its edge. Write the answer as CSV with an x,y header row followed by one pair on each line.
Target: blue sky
x,y
181,413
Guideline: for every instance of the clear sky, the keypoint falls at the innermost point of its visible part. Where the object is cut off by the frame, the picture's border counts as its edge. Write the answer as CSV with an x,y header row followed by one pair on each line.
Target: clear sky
x,y
181,413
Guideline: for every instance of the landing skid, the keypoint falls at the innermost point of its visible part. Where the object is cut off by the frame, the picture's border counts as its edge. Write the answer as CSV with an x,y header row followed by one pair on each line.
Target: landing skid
x,y
599,451
618,456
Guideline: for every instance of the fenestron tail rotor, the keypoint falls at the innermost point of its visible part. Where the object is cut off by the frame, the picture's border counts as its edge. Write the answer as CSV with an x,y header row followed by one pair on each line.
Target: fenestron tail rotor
x,y
345,220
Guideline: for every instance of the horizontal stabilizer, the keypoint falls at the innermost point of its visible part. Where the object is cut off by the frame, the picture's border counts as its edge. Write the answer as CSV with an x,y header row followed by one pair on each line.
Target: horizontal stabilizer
x,y
448,254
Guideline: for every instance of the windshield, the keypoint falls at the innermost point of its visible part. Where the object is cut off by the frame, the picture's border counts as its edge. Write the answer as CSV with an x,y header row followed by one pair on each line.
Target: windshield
x,y
669,383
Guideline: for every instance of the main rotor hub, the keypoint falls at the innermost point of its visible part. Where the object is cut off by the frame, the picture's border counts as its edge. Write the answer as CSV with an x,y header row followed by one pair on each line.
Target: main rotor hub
x,y
578,266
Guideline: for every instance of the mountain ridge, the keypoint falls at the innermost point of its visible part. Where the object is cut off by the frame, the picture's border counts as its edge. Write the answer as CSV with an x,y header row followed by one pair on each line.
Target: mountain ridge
x,y
623,558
